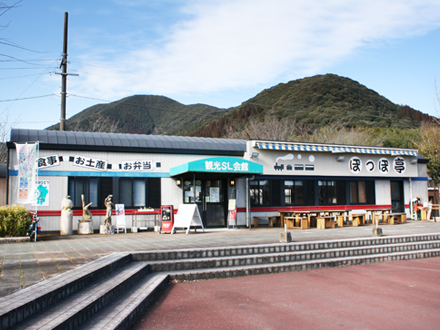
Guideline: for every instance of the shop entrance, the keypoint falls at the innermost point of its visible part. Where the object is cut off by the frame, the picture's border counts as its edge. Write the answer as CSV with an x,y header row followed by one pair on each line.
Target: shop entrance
x,y
211,199
397,200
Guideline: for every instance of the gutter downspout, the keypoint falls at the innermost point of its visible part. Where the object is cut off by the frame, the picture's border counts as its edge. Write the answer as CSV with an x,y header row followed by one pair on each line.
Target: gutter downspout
x,y
247,202
410,198
7,175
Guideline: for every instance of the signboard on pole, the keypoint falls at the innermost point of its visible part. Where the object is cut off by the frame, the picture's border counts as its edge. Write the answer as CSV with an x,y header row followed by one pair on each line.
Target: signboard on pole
x,y
188,215
232,212
120,217
42,191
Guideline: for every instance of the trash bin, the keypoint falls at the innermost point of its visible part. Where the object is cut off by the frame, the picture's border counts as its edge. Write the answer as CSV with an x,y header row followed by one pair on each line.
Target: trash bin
x,y
166,218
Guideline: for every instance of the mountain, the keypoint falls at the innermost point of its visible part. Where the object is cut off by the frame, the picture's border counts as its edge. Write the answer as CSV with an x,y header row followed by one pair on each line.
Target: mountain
x,y
318,101
144,114
313,101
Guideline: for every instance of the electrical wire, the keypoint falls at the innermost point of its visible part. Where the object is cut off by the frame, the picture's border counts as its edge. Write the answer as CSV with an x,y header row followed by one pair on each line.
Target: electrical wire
x,y
27,98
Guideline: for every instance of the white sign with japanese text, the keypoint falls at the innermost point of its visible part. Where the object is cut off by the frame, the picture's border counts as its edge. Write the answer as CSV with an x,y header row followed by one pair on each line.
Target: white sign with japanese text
x,y
137,165
91,163
226,166
48,161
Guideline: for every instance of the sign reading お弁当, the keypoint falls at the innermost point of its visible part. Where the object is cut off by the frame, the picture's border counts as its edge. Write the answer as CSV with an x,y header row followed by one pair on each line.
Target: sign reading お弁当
x,y
137,165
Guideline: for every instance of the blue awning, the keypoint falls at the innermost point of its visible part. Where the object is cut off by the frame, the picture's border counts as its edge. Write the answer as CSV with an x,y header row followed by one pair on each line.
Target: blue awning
x,y
335,149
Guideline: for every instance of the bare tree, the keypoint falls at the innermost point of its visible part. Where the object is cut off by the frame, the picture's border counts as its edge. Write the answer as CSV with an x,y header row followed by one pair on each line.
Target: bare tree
x,y
344,135
4,8
269,128
96,123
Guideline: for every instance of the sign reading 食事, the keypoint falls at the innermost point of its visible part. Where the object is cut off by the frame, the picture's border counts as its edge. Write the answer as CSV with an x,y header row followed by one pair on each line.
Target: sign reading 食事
x,y
48,161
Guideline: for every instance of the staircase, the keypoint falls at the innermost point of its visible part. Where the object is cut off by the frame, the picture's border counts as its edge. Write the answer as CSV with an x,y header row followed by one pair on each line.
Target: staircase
x,y
114,291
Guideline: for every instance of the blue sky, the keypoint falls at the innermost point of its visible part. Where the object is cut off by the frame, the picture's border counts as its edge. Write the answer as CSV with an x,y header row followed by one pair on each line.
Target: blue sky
x,y
215,52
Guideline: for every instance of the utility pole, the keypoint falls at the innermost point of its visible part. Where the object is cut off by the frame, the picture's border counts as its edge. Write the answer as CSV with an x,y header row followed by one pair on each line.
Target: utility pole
x,y
64,75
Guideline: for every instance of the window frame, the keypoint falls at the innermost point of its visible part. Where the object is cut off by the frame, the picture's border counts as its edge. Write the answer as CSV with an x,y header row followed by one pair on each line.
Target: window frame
x,y
263,192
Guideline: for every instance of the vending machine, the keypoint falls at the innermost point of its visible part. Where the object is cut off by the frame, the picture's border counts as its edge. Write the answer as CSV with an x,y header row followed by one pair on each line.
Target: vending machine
x,y
166,218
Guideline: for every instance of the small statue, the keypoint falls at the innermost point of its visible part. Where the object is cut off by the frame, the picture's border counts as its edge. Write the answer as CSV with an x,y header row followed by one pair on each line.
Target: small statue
x,y
108,216
87,215
66,220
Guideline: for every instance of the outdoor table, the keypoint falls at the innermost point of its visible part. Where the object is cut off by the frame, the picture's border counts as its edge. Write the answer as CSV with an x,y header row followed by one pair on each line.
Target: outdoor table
x,y
389,218
373,216
328,214
294,214
357,220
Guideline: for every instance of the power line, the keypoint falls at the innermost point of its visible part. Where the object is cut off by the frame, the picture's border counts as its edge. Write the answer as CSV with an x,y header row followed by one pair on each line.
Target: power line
x,y
24,76
27,98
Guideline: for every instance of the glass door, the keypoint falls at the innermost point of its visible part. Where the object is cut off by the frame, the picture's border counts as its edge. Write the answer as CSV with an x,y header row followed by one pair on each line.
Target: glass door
x,y
210,197
397,200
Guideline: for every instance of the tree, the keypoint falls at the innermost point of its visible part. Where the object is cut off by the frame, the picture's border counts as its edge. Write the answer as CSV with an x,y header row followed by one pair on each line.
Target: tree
x,y
270,128
96,123
345,135
4,8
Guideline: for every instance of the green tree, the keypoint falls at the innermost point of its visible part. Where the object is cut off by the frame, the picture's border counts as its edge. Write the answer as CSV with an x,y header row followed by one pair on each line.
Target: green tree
x,y
429,147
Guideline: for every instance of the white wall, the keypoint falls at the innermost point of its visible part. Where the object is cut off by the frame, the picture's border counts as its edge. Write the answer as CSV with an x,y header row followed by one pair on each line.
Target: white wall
x,y
383,192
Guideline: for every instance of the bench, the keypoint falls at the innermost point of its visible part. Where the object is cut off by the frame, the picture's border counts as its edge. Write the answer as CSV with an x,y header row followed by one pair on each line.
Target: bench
x,y
270,221
389,218
327,221
356,220
297,222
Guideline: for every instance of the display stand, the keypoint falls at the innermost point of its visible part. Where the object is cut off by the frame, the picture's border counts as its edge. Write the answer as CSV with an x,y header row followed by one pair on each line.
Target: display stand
x,y
135,221
188,215
120,218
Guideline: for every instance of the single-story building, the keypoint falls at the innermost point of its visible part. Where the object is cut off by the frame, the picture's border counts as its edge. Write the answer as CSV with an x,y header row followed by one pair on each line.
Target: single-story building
x,y
263,177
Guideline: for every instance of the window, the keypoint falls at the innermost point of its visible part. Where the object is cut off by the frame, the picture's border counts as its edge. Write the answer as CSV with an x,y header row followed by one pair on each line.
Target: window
x,y
137,192
132,192
293,192
327,192
358,192
84,186
259,192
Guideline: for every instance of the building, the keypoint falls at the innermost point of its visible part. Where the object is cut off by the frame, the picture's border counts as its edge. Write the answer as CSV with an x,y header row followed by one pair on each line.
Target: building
x,y
264,177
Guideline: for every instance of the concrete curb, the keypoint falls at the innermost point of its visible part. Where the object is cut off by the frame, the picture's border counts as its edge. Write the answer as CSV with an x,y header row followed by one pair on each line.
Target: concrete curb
x,y
19,239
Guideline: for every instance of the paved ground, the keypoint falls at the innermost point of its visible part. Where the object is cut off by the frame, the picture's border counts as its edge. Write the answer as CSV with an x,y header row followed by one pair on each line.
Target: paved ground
x,y
24,264
393,295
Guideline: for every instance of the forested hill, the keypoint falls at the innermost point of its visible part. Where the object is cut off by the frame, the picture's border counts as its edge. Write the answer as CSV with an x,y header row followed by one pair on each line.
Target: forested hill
x,y
318,101
314,101
144,114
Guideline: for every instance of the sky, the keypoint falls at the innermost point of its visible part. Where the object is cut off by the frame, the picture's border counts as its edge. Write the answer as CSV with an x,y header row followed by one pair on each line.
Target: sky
x,y
216,52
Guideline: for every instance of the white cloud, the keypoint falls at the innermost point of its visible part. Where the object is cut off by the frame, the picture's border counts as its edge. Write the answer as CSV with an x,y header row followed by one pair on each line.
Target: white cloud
x,y
224,45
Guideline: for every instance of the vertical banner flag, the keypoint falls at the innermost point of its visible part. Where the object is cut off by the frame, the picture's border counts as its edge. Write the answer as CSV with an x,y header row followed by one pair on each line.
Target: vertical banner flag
x,y
27,172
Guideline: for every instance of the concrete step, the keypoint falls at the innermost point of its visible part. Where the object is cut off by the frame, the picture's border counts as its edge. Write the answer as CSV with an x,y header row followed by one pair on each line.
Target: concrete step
x,y
270,258
277,248
112,292
32,300
126,310
79,307
304,265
